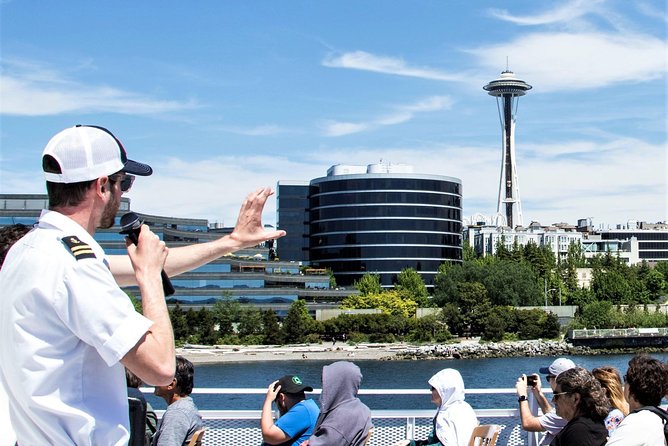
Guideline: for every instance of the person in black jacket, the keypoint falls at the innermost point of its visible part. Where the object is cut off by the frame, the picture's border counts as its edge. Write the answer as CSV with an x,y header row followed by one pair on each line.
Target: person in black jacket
x,y
580,399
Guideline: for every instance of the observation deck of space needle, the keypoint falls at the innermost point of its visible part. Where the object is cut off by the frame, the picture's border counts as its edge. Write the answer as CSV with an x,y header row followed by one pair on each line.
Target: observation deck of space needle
x,y
507,89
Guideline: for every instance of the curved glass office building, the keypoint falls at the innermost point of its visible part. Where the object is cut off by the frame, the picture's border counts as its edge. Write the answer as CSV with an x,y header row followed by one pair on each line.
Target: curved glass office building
x,y
382,219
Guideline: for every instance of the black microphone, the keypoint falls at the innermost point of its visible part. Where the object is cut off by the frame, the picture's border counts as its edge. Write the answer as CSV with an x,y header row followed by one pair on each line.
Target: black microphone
x,y
131,227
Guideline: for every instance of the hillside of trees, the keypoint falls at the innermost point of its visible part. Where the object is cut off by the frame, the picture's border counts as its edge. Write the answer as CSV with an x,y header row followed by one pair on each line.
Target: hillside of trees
x,y
477,297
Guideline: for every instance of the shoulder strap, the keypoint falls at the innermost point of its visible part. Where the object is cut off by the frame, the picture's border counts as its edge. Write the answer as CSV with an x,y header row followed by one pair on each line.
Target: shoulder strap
x,y
656,410
661,413
79,249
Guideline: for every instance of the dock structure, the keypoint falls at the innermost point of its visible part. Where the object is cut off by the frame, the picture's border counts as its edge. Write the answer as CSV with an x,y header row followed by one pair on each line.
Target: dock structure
x,y
619,337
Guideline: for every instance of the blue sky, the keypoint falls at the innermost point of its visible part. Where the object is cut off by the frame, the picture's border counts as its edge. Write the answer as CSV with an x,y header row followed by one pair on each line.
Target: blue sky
x,y
221,97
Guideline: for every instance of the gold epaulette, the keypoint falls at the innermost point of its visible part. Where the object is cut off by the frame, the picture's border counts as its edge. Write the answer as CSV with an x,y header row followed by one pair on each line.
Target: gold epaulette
x,y
79,249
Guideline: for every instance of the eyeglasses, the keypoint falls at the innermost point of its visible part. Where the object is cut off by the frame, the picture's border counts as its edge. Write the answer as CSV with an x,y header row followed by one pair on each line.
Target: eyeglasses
x,y
550,377
125,179
558,395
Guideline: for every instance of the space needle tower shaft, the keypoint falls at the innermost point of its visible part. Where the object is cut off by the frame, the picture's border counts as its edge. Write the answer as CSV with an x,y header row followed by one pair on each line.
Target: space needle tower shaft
x,y
507,89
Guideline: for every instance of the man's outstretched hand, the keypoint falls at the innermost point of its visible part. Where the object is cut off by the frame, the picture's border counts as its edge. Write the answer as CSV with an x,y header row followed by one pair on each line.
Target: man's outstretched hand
x,y
249,230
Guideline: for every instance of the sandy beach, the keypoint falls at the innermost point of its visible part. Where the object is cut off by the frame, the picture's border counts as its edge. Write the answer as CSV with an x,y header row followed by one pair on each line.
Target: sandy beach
x,y
326,351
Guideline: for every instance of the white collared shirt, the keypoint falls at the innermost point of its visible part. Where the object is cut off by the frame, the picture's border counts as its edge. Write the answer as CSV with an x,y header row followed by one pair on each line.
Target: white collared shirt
x,y
64,326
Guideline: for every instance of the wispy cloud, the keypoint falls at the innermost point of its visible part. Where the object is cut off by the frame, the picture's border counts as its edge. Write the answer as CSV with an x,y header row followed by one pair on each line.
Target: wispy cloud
x,y
554,188
627,171
571,61
260,130
402,113
361,60
29,88
221,184
561,13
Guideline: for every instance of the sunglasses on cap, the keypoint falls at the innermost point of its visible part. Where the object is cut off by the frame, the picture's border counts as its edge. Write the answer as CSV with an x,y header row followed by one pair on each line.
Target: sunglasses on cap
x,y
125,179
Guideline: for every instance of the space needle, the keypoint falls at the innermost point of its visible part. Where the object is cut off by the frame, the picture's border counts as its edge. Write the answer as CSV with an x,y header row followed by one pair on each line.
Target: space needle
x,y
507,89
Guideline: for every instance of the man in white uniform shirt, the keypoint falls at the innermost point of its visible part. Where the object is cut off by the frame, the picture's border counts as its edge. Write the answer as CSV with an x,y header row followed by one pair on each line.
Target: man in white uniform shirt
x,y
66,328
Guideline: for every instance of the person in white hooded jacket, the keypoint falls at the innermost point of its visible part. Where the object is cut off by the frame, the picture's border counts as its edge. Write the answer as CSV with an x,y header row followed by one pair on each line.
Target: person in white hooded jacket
x,y
455,420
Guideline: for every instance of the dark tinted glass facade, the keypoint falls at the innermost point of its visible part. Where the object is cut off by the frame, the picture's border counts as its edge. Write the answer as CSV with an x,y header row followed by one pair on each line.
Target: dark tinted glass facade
x,y
383,223
652,244
292,205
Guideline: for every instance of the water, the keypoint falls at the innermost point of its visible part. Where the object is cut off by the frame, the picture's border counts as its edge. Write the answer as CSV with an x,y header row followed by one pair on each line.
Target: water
x,y
477,373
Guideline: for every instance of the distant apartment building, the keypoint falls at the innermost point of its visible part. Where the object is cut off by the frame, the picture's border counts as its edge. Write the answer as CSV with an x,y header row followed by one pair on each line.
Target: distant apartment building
x,y
380,219
486,238
247,276
634,243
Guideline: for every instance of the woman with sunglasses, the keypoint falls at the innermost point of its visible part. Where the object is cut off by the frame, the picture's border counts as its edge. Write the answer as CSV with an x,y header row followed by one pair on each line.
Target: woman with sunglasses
x,y
611,382
580,399
455,419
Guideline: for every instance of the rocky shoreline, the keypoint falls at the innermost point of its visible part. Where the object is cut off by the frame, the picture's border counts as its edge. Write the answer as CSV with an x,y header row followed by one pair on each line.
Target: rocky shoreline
x,y
468,350
465,349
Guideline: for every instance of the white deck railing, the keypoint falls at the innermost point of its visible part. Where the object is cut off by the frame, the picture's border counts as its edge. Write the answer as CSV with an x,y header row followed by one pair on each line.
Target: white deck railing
x,y
242,427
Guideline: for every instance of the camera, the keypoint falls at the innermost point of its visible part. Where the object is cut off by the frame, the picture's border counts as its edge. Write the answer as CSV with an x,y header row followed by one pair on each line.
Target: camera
x,y
532,380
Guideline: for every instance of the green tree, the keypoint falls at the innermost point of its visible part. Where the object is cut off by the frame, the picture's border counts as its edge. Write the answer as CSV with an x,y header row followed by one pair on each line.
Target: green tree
x,y
225,313
468,252
297,323
474,305
179,323
600,314
368,284
206,327
506,282
430,328
271,329
445,283
411,284
662,267
502,253
541,259
529,323
250,322
453,319
612,286
655,283
575,255
192,321
581,297
551,326
390,302
495,328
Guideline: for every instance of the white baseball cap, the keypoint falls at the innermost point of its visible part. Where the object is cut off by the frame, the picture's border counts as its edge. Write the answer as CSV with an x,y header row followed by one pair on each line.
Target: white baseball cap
x,y
558,366
88,152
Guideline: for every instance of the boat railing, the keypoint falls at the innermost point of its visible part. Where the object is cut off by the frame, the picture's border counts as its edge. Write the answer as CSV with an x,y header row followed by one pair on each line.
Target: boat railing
x,y
617,332
242,427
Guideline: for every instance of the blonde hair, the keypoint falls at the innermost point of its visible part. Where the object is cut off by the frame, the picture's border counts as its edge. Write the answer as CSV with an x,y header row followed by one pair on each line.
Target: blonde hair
x,y
610,380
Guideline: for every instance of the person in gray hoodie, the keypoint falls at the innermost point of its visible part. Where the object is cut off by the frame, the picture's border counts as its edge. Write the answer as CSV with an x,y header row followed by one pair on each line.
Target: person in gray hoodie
x,y
344,420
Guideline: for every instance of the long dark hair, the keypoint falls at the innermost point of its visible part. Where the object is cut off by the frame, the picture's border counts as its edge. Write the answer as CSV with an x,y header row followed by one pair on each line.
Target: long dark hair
x,y
593,403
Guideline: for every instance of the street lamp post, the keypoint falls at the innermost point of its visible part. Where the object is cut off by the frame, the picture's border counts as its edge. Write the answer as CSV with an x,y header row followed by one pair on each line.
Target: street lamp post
x,y
555,289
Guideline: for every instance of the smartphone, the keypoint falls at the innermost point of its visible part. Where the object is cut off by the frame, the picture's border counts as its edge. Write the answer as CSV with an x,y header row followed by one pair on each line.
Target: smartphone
x,y
532,380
